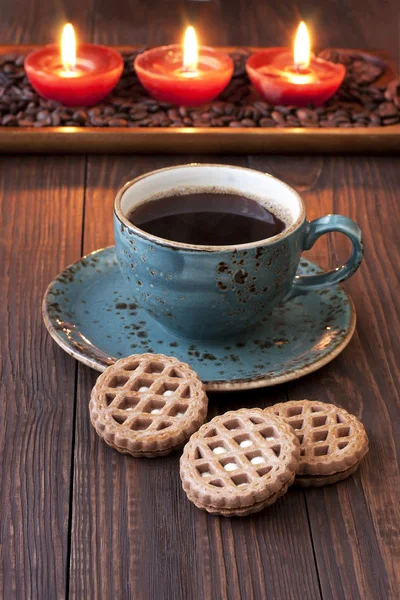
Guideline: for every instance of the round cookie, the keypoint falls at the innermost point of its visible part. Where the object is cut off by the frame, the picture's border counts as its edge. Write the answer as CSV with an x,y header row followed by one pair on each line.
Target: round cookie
x,y
332,441
239,463
147,405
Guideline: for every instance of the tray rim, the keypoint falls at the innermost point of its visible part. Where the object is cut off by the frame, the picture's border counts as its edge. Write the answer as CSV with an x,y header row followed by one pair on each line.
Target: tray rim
x,y
211,140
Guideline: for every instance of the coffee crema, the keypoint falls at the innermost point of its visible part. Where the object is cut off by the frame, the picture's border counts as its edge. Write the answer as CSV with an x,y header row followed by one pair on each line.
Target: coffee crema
x,y
207,219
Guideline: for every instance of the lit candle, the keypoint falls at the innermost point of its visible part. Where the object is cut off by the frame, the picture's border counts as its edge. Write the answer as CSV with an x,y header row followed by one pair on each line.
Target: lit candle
x,y
188,76
299,78
80,75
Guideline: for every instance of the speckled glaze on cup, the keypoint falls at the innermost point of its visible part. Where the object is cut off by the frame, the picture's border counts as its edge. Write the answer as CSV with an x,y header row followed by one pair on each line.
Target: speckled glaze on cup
x,y
215,292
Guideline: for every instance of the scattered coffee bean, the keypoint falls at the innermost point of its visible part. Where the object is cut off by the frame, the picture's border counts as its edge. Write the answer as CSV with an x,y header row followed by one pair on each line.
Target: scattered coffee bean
x,y
117,123
391,120
267,122
277,116
9,121
358,102
248,123
387,109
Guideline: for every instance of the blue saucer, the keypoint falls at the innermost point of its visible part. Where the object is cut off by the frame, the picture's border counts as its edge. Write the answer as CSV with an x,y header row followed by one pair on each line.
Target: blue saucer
x,y
89,311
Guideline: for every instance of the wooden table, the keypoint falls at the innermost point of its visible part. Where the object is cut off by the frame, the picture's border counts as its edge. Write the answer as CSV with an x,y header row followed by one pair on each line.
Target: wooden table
x,y
79,520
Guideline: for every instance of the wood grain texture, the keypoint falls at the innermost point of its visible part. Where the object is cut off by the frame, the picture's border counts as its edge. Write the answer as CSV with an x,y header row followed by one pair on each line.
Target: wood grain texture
x,y
355,524
136,509
331,23
133,533
41,217
38,22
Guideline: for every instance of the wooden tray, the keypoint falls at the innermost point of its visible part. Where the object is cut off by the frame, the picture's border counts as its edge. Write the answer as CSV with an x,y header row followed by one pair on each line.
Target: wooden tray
x,y
163,140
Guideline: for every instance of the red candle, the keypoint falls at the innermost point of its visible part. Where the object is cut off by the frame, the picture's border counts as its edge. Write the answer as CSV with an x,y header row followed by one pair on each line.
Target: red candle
x,y
188,76
285,78
74,78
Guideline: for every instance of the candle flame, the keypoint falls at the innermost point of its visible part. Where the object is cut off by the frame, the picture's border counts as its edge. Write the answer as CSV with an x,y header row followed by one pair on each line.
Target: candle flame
x,y
302,48
190,50
68,48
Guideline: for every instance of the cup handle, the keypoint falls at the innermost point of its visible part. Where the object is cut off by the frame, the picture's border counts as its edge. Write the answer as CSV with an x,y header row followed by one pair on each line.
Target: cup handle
x,y
329,223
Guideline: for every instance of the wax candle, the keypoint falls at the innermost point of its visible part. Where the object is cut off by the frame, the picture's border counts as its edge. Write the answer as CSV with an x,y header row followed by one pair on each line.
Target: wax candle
x,y
188,76
297,78
80,75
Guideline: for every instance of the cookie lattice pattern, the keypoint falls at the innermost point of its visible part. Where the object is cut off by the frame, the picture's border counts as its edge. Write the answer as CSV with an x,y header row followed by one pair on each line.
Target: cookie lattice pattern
x,y
243,453
330,438
149,394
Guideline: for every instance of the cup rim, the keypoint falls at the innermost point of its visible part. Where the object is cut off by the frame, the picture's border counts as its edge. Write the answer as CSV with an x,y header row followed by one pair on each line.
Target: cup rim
x,y
204,248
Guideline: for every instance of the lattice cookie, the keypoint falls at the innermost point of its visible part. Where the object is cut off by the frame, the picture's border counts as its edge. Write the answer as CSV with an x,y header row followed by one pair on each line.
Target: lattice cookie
x,y
147,405
332,441
239,462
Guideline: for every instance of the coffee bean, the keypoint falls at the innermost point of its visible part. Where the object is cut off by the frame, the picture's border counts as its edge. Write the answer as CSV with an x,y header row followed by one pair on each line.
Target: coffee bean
x,y
391,120
173,113
277,116
267,122
305,114
202,124
310,124
206,116
218,108
375,119
248,123
387,109
360,114
97,122
292,121
55,119
80,116
183,112
229,108
146,123
262,107
42,115
94,112
129,105
9,121
117,123
341,119
137,116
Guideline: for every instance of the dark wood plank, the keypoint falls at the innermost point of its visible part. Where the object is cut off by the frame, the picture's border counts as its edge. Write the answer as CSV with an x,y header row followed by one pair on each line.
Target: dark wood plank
x,y
332,23
38,22
139,22
136,510
41,219
355,524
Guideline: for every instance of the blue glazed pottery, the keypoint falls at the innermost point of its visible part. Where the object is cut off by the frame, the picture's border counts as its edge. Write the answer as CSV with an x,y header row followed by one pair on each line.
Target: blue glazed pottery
x,y
214,292
90,312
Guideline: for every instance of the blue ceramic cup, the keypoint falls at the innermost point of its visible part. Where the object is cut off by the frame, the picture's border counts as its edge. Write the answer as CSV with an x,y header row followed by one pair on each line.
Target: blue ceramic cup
x,y
215,292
